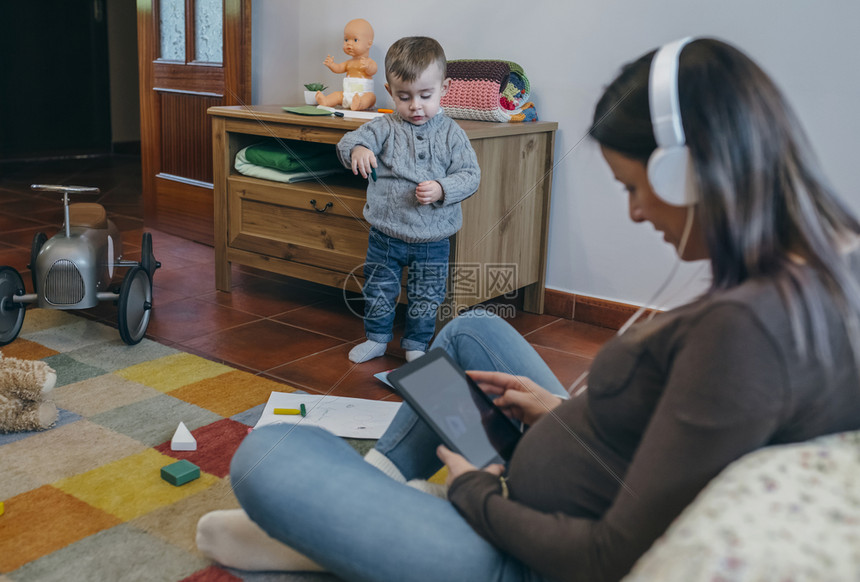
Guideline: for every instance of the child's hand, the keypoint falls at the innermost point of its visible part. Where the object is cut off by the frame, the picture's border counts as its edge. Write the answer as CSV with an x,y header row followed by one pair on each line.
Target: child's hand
x,y
363,160
428,192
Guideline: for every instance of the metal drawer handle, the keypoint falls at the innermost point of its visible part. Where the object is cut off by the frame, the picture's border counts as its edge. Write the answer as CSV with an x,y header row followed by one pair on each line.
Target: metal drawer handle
x,y
327,206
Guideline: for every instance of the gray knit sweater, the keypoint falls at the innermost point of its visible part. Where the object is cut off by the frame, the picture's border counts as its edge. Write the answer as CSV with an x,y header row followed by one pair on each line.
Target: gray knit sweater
x,y
406,155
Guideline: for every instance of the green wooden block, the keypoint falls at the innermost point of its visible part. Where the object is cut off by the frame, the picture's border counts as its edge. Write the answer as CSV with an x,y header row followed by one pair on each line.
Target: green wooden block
x,y
180,472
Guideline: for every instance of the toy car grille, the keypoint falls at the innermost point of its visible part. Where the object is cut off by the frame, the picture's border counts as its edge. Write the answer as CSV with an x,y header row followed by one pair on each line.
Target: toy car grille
x,y
64,284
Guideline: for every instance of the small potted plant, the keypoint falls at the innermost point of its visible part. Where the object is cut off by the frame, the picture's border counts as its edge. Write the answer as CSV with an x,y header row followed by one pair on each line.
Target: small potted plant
x,y
311,92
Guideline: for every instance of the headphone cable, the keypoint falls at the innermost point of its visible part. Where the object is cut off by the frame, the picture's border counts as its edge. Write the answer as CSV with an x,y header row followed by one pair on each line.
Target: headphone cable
x,y
682,246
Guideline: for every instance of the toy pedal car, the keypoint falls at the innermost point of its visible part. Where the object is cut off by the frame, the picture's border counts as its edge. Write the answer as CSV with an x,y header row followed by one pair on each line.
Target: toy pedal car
x,y
74,268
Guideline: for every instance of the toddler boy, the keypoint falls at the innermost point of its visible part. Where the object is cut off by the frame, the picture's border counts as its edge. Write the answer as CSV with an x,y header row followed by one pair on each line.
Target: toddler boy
x,y
425,166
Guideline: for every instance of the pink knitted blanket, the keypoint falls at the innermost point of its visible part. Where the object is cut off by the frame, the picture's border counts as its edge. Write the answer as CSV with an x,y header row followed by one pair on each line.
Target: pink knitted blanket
x,y
488,90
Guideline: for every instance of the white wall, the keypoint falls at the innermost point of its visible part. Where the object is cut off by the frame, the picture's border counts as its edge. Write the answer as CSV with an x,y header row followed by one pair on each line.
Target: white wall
x,y
569,53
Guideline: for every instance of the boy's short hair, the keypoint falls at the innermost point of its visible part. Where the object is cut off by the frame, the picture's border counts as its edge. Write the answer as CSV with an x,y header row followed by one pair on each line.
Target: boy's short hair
x,y
410,56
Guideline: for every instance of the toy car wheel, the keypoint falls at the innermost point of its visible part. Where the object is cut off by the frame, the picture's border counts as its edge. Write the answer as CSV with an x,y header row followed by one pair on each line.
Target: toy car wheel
x,y
11,313
135,305
147,259
38,240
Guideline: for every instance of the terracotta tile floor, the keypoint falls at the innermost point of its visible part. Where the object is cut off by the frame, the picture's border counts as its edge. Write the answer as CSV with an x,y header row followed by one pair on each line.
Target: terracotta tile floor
x,y
288,330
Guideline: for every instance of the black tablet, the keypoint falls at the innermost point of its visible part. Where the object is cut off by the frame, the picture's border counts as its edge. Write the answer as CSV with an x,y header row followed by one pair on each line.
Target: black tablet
x,y
455,407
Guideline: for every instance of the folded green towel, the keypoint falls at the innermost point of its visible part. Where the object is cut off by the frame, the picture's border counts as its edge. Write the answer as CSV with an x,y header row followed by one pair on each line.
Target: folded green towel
x,y
248,169
293,156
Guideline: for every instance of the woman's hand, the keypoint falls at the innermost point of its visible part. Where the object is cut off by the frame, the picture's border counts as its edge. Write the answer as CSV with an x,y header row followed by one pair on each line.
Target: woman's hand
x,y
363,160
457,464
518,396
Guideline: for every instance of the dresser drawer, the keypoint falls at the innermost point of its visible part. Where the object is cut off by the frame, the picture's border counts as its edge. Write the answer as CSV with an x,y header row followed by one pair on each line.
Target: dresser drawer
x,y
309,223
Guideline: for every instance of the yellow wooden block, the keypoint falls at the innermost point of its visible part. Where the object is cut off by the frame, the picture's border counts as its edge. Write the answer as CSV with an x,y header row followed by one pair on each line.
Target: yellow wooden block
x,y
440,477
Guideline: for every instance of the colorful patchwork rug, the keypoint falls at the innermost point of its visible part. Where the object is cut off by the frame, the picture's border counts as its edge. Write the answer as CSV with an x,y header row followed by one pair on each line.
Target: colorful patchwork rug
x,y
85,499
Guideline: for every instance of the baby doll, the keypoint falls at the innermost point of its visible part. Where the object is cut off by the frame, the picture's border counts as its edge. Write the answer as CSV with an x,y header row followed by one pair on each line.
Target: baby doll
x,y
23,385
357,91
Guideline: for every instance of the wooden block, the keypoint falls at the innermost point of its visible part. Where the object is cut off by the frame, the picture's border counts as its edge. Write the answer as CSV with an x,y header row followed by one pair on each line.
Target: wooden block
x,y
180,472
182,439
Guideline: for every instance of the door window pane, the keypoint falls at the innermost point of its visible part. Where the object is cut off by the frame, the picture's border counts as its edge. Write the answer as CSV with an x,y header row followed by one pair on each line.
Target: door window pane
x,y
172,29
208,30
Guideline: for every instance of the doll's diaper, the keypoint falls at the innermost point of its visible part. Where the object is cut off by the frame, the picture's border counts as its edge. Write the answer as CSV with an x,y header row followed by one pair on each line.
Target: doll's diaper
x,y
353,86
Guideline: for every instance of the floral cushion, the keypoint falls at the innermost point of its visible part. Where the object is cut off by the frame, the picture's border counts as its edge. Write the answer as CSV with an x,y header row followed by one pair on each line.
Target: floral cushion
x,y
788,513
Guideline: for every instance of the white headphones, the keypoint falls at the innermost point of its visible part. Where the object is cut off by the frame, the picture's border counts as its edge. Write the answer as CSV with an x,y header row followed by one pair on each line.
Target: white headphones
x,y
670,168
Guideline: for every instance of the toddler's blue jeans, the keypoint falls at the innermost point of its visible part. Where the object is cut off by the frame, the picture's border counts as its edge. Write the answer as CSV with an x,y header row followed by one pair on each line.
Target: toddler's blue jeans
x,y
425,288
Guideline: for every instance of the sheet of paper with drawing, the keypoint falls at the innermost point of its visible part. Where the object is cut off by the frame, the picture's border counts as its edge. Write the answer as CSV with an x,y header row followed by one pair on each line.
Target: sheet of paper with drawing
x,y
346,417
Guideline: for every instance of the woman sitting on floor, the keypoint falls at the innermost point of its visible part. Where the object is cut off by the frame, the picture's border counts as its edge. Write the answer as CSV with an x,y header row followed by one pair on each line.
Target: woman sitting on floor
x,y
768,355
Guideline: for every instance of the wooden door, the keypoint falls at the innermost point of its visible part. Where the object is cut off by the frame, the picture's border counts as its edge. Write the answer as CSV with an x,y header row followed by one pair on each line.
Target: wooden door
x,y
193,54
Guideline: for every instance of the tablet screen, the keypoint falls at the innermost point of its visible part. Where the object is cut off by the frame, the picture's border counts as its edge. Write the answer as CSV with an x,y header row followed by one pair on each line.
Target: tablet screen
x,y
456,408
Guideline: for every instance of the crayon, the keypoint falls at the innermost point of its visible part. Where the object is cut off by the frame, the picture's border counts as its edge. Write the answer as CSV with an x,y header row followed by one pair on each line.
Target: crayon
x,y
287,411
304,411
332,109
385,110
373,174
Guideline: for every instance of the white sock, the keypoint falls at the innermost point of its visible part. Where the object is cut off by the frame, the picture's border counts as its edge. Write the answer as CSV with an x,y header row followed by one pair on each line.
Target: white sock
x,y
413,355
384,464
439,490
230,538
366,351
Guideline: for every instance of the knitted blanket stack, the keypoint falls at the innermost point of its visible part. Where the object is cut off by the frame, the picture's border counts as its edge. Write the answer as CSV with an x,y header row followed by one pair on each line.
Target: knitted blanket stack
x,y
488,90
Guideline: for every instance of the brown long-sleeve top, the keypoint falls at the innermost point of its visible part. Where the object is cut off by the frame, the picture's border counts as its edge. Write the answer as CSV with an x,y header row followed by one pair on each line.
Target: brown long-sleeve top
x,y
669,404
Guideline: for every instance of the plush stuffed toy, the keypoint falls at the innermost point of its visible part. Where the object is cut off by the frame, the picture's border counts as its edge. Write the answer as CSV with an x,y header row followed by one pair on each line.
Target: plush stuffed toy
x,y
23,386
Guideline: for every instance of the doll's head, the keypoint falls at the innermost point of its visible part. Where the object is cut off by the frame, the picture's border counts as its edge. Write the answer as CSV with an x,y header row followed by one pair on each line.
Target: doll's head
x,y
415,71
357,38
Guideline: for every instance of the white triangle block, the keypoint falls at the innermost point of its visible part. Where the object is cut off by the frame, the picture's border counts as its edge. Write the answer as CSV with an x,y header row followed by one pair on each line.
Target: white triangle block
x,y
182,439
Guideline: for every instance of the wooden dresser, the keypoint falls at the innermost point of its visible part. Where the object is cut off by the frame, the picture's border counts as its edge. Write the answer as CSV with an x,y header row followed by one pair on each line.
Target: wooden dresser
x,y
315,230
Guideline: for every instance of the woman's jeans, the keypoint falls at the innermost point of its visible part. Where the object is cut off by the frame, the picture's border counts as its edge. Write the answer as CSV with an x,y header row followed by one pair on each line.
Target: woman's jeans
x,y
309,489
425,288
